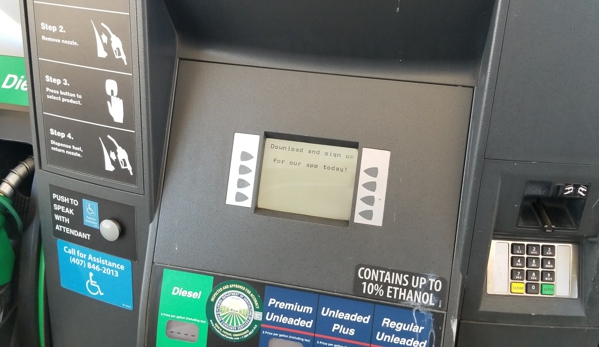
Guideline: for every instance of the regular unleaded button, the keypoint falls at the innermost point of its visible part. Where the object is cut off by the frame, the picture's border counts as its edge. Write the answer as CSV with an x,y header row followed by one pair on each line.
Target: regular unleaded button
x,y
533,250
533,262
532,288
517,261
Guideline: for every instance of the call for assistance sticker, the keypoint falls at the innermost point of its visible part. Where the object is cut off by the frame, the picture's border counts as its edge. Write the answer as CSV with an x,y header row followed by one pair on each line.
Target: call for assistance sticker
x,y
234,311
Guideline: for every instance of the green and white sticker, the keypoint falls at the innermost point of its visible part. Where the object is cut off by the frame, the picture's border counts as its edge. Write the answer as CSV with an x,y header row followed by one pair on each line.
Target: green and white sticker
x,y
13,85
182,312
234,311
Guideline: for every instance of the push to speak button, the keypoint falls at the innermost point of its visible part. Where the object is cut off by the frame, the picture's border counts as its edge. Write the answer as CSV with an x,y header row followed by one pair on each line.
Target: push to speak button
x,y
517,288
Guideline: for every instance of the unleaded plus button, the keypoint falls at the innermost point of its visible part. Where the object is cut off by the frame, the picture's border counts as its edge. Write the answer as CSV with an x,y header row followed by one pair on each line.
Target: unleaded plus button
x,y
547,289
517,261
517,288
532,288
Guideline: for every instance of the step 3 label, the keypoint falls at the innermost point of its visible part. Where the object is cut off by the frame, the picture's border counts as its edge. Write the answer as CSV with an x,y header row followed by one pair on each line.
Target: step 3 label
x,y
97,275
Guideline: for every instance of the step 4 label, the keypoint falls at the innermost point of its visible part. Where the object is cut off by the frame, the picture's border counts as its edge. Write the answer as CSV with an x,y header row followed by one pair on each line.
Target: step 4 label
x,y
343,322
96,275
289,315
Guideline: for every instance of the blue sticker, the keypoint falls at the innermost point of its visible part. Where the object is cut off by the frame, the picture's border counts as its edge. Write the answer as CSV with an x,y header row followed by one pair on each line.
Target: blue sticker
x,y
91,218
343,322
96,275
395,326
288,315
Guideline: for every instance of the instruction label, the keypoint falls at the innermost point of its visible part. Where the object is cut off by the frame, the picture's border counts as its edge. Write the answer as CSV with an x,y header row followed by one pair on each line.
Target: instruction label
x,y
96,275
289,315
400,286
182,313
86,80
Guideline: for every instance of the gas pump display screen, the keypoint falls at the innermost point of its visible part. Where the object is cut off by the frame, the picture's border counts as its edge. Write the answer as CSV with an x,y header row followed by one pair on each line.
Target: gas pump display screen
x,y
308,179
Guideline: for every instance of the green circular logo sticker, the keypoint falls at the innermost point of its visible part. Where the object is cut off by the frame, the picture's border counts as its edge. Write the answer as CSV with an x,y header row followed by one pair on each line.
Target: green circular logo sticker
x,y
234,310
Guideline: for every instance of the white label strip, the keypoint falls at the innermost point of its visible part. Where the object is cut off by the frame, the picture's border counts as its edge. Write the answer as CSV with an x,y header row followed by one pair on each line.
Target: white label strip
x,y
372,187
243,170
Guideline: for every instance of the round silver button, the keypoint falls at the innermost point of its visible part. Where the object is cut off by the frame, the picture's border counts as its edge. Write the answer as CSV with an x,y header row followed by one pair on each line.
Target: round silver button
x,y
110,229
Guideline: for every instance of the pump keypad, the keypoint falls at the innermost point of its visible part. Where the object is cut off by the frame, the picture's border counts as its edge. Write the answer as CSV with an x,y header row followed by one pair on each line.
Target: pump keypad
x,y
533,269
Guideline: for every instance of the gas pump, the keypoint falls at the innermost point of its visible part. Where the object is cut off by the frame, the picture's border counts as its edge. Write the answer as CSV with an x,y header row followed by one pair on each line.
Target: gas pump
x,y
315,173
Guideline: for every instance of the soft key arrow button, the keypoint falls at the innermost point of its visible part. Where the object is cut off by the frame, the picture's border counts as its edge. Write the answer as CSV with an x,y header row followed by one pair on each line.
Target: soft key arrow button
x,y
372,187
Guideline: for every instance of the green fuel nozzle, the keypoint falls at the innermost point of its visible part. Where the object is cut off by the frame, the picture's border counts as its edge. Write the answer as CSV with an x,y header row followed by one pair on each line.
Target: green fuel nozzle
x,y
8,187
7,254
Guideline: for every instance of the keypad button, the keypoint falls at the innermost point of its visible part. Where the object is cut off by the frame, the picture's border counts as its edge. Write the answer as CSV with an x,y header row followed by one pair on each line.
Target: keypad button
x,y
548,263
517,288
517,261
533,250
517,275
533,262
532,288
518,248
548,251
532,275
547,289
548,276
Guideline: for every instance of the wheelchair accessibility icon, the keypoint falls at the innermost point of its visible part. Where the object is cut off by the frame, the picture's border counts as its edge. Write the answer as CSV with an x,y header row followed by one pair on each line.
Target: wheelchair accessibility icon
x,y
92,286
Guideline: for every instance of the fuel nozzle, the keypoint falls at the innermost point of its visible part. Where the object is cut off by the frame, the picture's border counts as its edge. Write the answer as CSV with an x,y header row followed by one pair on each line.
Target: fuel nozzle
x,y
8,188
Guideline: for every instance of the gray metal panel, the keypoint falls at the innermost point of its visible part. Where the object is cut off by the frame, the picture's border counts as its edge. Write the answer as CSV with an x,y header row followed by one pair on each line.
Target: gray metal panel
x,y
501,335
424,126
546,103
15,125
